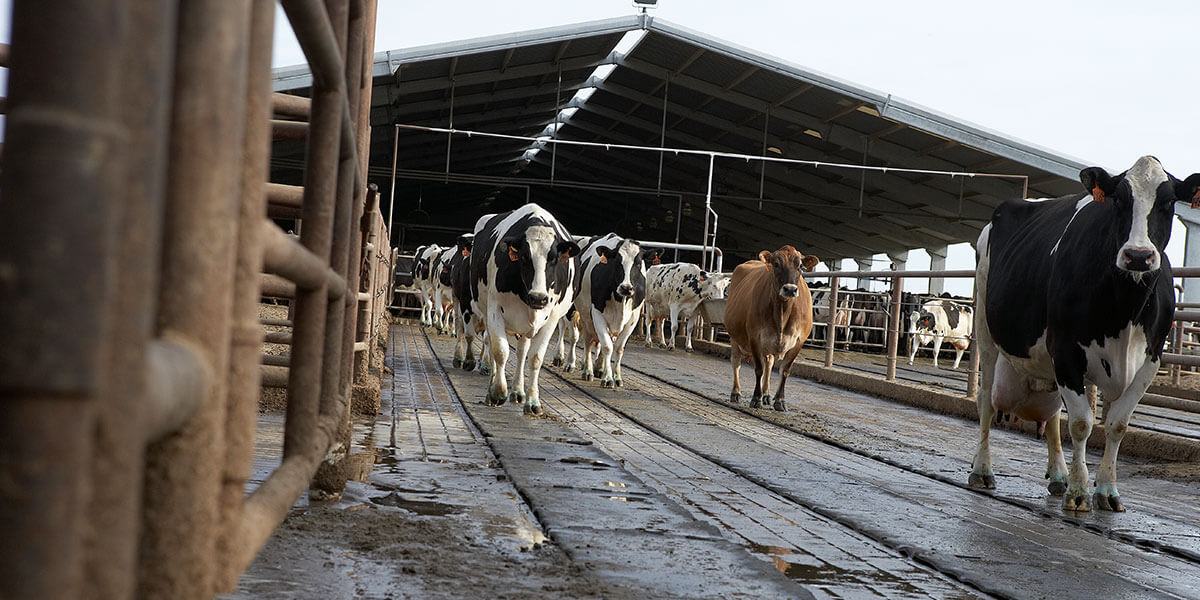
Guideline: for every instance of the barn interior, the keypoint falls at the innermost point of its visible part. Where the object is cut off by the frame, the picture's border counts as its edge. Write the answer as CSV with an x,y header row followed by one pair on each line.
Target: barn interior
x,y
641,81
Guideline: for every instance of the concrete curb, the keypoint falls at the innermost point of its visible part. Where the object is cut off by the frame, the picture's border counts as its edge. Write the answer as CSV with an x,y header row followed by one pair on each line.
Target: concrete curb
x,y
1145,444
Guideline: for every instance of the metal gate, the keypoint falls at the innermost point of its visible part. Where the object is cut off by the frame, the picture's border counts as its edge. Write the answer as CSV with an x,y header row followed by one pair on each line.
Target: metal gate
x,y
134,238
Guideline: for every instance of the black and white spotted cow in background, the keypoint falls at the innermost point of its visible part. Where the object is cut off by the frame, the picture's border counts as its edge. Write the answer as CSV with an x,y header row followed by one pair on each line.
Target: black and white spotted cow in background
x,y
609,298
1070,291
938,321
567,331
466,325
443,291
841,317
423,279
675,291
521,282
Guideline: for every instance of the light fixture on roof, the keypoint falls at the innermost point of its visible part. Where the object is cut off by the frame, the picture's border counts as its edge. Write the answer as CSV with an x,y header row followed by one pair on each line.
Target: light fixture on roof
x,y
814,133
775,150
643,5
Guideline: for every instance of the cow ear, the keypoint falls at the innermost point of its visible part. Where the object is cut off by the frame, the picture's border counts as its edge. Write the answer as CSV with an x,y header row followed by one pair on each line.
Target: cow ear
x,y
703,275
809,262
605,253
513,244
765,256
566,250
1098,182
1188,190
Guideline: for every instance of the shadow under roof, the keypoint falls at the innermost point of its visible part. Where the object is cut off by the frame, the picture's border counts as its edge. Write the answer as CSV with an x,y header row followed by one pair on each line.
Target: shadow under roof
x,y
675,88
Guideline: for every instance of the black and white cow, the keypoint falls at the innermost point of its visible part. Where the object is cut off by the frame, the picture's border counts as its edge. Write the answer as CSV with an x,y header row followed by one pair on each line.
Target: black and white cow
x,y
521,281
443,291
609,297
1076,290
940,320
676,291
466,326
423,279
841,315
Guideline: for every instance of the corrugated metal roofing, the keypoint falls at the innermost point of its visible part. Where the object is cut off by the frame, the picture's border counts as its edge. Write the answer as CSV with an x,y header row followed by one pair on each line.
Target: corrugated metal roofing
x,y
717,96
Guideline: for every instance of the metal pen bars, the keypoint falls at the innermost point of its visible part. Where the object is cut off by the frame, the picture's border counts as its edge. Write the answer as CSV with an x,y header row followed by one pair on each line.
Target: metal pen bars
x,y
134,238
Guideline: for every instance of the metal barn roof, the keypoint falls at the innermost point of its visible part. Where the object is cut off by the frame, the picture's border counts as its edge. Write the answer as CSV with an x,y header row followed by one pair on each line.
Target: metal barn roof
x,y
681,89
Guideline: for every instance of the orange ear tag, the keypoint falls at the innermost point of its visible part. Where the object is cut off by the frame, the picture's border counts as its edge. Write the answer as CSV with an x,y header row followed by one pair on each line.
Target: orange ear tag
x,y
703,278
1097,193
1196,199
603,259
466,252
564,257
512,254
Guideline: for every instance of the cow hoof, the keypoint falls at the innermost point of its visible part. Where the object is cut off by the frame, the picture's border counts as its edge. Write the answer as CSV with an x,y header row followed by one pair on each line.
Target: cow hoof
x,y
606,383
516,397
494,399
557,362
616,383
485,370
598,372
1106,502
756,401
688,350
670,348
568,368
779,405
458,363
533,410
1076,502
985,481
649,344
468,365
586,375
1056,487
735,398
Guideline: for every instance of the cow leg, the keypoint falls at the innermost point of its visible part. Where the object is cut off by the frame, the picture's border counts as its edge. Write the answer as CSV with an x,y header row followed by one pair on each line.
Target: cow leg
x,y
498,357
785,370
674,327
459,336
1116,423
981,466
958,352
660,323
570,358
912,351
539,343
1079,420
735,357
469,335
756,399
1056,465
765,385
606,348
517,394
619,351
937,348
647,326
687,347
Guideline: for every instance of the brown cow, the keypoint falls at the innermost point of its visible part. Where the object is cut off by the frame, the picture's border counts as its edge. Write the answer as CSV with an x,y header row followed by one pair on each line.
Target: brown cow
x,y
768,314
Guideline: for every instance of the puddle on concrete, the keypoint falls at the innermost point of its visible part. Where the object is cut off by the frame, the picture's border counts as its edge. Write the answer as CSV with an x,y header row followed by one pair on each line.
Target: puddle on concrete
x,y
420,507
585,461
616,484
564,440
627,499
809,570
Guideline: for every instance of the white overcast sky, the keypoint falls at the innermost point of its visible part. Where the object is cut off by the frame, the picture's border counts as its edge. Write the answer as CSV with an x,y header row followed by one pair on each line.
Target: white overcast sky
x,y
1104,81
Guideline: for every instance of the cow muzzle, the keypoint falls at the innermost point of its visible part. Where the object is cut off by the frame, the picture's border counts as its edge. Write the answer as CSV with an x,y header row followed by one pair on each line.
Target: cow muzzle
x,y
790,290
538,300
625,290
1138,259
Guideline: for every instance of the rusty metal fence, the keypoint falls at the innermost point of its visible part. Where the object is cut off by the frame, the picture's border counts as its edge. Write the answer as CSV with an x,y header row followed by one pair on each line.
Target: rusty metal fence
x,y
134,238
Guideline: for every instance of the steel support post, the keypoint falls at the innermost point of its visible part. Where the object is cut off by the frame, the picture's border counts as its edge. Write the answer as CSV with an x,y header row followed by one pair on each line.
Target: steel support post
x,y
65,161
183,473
244,374
893,337
830,332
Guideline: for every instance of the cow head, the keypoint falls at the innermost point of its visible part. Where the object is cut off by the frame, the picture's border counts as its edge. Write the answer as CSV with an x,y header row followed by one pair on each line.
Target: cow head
x,y
921,320
1142,202
463,244
423,257
713,286
544,262
786,264
626,262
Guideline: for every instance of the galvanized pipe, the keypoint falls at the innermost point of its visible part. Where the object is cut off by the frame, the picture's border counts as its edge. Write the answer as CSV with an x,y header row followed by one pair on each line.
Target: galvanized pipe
x,y
313,31
131,409
830,331
243,377
62,182
178,553
893,340
287,105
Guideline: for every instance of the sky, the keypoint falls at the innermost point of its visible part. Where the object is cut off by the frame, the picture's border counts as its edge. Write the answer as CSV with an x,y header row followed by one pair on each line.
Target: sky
x,y
1102,81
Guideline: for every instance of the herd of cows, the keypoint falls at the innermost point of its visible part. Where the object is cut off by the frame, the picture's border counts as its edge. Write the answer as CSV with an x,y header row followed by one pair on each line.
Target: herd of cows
x,y
1073,292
